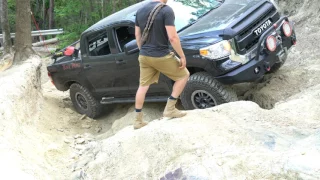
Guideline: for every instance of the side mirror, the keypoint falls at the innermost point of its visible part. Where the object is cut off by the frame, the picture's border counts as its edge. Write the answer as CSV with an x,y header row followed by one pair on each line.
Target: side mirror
x,y
131,47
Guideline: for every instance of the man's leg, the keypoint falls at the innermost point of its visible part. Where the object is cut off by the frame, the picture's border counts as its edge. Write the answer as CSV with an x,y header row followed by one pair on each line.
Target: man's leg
x,y
140,97
170,68
148,76
179,86
170,110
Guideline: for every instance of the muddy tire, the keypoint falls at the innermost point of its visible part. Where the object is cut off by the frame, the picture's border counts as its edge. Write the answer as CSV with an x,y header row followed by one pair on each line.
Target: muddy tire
x,y
203,91
84,102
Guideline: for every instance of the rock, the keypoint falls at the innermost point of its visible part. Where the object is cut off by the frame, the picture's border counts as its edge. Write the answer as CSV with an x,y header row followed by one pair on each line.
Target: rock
x,y
77,136
80,140
80,153
83,117
78,175
198,152
89,139
178,173
198,172
86,126
66,99
98,129
89,120
61,130
169,176
91,155
80,147
87,135
242,141
95,151
68,140
75,157
68,110
82,162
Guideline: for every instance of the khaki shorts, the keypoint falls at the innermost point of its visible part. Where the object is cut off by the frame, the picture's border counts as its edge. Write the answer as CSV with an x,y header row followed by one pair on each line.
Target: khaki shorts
x,y
150,68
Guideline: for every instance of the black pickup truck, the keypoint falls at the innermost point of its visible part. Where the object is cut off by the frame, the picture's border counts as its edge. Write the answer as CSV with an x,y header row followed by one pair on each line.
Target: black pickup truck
x,y
225,42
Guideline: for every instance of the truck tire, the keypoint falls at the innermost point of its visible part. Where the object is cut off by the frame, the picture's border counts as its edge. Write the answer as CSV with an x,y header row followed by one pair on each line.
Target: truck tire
x,y
84,102
203,91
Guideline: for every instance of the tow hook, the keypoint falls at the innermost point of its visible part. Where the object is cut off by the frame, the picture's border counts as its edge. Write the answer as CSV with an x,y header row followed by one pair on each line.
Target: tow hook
x,y
267,66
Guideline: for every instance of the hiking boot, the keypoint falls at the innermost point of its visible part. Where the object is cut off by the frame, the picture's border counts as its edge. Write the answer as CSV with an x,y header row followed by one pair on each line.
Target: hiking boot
x,y
171,111
138,122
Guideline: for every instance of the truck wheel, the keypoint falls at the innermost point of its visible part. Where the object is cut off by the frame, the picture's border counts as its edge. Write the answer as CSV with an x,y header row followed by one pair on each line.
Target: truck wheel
x,y
203,91
84,102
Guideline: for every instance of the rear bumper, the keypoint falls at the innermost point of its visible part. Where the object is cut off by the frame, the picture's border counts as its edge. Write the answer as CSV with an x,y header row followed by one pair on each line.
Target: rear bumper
x,y
263,61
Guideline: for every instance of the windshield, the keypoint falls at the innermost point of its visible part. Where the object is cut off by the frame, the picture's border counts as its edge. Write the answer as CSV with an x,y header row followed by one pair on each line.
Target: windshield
x,y
188,11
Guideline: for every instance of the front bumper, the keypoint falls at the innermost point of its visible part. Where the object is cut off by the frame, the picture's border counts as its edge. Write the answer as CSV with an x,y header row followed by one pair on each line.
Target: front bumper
x,y
264,59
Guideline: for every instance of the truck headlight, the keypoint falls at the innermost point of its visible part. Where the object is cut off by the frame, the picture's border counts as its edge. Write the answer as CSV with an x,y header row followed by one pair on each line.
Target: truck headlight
x,y
217,51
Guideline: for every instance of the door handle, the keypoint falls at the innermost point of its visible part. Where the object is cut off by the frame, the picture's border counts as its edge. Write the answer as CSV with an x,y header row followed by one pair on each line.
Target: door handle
x,y
87,66
120,61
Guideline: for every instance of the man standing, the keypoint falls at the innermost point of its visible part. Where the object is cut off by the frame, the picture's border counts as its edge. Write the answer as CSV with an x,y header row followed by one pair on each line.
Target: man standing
x,y
155,56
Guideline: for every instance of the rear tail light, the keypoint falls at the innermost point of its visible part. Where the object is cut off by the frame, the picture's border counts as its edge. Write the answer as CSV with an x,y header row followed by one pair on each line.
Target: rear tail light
x,y
287,30
271,43
50,77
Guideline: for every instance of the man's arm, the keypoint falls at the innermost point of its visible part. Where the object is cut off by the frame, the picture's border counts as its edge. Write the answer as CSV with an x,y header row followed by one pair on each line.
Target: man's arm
x,y
138,36
173,36
175,40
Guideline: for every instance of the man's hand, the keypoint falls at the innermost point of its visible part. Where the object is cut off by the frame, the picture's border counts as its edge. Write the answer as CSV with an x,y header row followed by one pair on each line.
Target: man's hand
x,y
183,63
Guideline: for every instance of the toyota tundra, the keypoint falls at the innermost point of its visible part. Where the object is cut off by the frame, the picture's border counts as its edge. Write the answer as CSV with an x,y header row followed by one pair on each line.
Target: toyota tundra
x,y
225,42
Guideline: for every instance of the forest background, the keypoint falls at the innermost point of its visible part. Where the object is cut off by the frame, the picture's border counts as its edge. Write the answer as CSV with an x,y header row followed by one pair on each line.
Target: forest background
x,y
73,16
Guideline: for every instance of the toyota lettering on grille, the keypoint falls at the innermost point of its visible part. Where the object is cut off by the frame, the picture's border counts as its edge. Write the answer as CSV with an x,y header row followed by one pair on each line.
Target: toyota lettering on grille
x,y
263,27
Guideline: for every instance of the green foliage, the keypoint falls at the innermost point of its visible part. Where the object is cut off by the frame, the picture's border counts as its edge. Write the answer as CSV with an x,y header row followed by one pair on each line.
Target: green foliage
x,y
12,14
74,16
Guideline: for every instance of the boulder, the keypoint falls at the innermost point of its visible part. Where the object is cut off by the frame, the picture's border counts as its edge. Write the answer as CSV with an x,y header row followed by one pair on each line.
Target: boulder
x,y
237,140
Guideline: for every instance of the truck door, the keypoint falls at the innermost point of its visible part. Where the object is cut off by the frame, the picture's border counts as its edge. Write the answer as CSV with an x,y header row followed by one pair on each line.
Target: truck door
x,y
101,67
123,35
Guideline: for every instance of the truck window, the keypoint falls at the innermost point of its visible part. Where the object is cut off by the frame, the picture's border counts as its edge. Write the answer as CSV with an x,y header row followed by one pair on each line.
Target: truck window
x,y
125,34
99,44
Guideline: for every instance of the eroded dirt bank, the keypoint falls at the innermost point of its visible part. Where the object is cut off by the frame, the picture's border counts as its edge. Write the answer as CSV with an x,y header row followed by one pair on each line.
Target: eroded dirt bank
x,y
302,67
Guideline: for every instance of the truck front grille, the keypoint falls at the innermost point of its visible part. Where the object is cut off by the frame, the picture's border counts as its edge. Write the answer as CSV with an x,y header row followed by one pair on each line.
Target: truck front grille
x,y
250,45
246,39
255,24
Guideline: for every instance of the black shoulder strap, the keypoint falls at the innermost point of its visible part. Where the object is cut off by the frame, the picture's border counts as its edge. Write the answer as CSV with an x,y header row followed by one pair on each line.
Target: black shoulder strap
x,y
151,18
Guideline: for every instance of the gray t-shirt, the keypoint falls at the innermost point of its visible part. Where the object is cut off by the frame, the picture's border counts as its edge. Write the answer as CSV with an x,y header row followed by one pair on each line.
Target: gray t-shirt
x,y
157,44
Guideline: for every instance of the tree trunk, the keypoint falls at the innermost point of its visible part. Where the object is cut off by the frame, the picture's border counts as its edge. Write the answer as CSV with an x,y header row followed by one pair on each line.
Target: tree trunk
x,y
43,14
23,46
92,9
86,18
51,14
114,8
102,9
5,27
42,43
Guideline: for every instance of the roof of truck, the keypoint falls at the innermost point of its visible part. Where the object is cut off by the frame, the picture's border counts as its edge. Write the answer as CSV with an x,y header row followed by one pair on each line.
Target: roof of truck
x,y
126,14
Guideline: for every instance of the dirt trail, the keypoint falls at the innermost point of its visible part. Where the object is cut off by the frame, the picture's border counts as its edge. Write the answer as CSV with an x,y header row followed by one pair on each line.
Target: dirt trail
x,y
62,128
